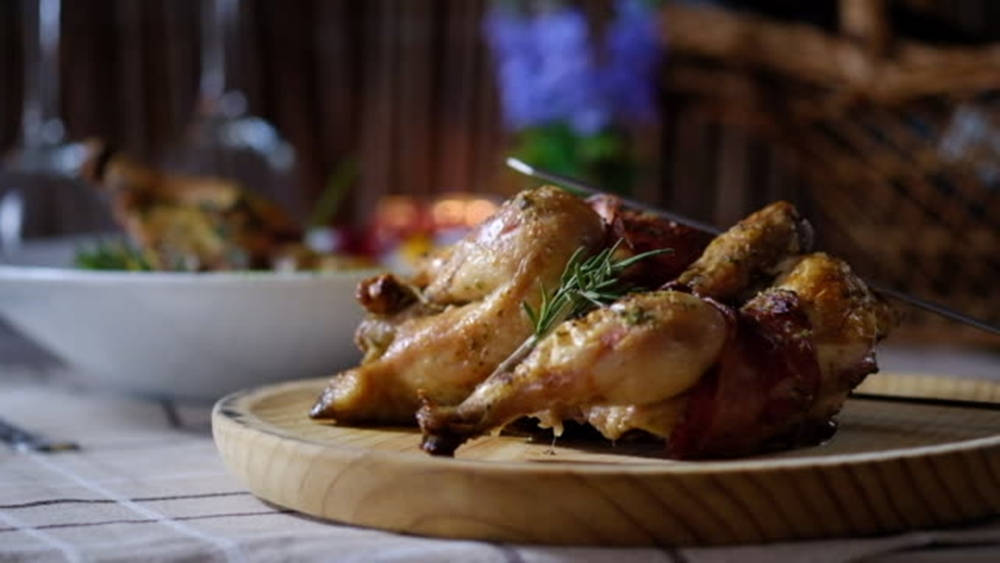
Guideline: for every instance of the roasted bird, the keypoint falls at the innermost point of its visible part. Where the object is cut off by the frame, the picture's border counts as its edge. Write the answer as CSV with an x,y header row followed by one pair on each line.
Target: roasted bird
x,y
192,223
712,380
446,330
747,344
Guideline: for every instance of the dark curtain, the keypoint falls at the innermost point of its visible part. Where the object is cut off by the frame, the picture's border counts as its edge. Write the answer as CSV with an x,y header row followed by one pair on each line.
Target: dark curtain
x,y
404,88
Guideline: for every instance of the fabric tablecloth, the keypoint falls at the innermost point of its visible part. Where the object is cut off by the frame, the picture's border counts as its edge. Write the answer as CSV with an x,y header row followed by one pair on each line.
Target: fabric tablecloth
x,y
148,484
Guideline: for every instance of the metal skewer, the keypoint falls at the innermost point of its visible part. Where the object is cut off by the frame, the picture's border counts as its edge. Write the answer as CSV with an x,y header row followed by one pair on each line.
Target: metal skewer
x,y
581,188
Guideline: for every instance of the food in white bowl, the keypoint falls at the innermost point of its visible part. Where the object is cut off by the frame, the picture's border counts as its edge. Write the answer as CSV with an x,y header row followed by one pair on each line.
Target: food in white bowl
x,y
193,223
194,335
212,290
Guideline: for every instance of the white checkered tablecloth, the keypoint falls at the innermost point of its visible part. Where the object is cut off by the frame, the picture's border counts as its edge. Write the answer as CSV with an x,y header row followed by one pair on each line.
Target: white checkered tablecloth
x,y
147,483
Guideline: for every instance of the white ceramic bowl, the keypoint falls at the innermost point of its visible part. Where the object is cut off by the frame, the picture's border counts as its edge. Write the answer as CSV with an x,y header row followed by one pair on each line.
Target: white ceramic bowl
x,y
186,335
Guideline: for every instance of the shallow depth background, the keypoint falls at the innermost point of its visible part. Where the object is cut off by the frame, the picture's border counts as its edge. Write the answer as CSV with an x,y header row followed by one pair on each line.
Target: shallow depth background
x,y
407,89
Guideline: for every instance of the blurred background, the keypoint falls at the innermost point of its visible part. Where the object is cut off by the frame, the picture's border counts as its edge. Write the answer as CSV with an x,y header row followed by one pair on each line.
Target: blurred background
x,y
880,119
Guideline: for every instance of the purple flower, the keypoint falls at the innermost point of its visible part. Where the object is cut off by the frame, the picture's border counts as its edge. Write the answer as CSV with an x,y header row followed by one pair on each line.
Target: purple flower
x,y
633,53
550,70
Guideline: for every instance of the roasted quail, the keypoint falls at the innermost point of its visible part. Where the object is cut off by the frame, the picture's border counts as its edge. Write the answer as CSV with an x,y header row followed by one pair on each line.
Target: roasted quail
x,y
745,344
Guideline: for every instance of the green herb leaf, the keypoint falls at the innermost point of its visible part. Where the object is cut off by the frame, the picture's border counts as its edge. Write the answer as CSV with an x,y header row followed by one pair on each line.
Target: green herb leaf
x,y
584,285
112,256
337,186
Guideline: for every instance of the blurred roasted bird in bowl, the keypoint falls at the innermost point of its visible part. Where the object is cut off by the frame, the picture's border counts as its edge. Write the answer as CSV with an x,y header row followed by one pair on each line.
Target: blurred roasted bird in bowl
x,y
559,309
192,223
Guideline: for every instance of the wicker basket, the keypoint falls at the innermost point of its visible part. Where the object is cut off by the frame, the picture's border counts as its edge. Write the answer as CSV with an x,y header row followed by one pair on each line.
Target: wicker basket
x,y
897,143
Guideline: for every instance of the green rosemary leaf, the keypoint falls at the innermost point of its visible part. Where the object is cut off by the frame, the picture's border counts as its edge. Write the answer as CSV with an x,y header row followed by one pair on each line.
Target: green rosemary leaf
x,y
530,312
111,255
638,257
584,285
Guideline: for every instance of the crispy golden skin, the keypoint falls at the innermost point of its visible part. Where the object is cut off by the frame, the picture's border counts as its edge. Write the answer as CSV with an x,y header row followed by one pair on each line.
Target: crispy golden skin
x,y
800,346
747,255
642,350
468,317
715,380
632,365
755,341
847,321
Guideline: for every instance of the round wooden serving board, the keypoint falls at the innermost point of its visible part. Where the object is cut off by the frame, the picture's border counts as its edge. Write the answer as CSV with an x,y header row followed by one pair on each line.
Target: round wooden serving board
x,y
891,466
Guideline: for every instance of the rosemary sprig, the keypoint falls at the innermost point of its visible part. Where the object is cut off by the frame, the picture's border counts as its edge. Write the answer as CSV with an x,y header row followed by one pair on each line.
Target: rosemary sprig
x,y
584,285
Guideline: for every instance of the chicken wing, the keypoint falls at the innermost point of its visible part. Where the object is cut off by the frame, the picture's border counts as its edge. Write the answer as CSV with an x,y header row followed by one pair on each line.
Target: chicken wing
x,y
447,329
746,257
800,347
